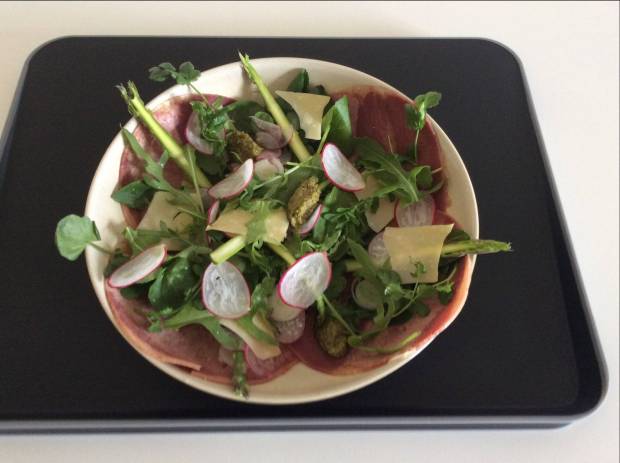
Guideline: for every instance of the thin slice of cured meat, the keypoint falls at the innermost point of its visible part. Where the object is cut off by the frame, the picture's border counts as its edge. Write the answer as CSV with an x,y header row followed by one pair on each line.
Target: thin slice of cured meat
x,y
173,115
357,361
379,113
191,347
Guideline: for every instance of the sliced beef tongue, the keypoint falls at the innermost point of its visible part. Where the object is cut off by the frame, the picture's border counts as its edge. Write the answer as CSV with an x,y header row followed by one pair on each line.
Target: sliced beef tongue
x,y
191,347
310,353
173,115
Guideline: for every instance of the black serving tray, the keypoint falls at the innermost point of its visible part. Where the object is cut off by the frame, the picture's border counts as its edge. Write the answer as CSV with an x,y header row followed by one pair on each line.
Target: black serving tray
x,y
523,353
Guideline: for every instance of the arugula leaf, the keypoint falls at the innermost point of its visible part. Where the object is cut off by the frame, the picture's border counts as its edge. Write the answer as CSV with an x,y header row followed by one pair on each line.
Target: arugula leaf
x,y
214,121
387,169
136,195
184,76
336,126
73,234
190,314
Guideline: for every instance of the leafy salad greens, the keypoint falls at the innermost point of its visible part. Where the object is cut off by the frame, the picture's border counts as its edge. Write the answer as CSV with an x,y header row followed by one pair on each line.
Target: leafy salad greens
x,y
268,223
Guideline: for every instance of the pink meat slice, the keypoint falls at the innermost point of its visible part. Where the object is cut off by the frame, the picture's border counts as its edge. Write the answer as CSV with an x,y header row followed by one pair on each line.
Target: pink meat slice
x,y
191,347
379,114
173,115
358,361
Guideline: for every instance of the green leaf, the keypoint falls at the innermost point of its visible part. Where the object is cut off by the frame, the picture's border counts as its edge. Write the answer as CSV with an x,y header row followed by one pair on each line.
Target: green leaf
x,y
248,325
337,124
240,111
191,314
300,82
187,73
174,285
387,169
136,194
73,234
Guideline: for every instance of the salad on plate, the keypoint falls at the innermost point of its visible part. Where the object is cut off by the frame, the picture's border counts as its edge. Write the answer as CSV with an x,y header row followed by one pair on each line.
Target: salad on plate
x,y
310,227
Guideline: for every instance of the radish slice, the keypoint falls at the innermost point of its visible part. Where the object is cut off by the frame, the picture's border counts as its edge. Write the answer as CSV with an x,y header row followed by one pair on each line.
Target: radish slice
x,y
280,312
225,292
415,214
339,170
312,220
139,267
235,183
268,168
377,251
261,367
306,280
291,330
365,295
213,211
192,133
269,154
225,356
270,135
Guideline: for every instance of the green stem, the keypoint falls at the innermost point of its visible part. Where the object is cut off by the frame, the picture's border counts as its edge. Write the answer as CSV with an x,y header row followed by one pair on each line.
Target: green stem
x,y
296,143
284,253
456,249
176,151
101,249
228,249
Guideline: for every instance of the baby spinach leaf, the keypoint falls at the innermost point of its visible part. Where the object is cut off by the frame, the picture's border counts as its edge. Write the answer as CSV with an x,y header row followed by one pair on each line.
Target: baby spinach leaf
x,y
73,234
240,111
174,285
300,82
136,194
337,125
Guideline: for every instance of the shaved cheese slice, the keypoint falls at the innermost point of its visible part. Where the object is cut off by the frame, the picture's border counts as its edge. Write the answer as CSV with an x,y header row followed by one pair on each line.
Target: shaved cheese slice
x,y
160,210
385,211
233,221
413,247
236,220
309,108
261,349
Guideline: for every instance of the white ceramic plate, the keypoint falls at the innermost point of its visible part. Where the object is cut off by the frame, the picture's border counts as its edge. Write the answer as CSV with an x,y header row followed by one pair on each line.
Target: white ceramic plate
x,y
300,384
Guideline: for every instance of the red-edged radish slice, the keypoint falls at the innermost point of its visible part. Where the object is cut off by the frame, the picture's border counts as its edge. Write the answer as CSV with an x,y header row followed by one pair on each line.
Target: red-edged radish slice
x,y
312,220
365,294
269,154
213,211
415,214
261,367
225,356
291,330
235,183
139,267
306,280
377,251
339,170
225,292
280,312
192,133
268,168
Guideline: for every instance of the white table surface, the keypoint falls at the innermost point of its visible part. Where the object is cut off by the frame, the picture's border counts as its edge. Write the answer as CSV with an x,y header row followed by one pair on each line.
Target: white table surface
x,y
570,55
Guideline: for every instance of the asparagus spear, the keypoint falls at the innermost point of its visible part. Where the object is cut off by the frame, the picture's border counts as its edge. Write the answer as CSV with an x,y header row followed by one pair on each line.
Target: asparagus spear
x,y
176,151
454,250
296,144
